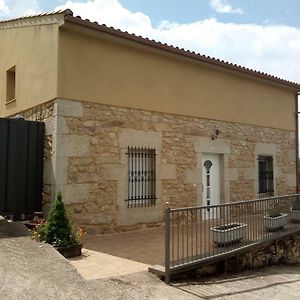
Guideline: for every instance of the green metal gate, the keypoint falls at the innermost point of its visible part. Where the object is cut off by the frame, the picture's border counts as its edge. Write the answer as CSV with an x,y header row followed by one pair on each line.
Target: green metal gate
x,y
21,166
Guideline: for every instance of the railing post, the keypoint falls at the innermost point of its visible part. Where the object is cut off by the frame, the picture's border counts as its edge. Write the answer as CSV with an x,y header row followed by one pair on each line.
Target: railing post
x,y
167,244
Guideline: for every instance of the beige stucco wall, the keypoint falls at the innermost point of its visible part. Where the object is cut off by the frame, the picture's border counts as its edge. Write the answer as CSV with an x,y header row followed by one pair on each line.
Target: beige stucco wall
x,y
33,48
100,68
86,65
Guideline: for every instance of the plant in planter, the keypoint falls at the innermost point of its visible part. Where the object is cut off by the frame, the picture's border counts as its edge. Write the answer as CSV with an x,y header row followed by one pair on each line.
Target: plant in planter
x,y
295,211
59,232
275,220
226,234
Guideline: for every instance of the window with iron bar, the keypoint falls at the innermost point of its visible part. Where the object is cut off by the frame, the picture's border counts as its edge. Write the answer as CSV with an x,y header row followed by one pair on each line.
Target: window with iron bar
x,y
141,177
265,176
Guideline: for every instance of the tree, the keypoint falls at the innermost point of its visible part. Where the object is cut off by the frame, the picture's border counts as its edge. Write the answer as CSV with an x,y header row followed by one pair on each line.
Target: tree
x,y
58,229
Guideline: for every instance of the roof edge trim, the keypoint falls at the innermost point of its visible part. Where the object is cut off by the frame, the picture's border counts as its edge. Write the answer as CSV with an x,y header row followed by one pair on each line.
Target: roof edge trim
x,y
181,51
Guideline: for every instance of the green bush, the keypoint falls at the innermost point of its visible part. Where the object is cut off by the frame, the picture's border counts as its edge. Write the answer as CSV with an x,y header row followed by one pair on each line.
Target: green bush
x,y
58,230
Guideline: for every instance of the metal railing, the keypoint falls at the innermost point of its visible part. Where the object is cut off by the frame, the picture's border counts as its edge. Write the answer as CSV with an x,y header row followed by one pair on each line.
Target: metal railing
x,y
195,235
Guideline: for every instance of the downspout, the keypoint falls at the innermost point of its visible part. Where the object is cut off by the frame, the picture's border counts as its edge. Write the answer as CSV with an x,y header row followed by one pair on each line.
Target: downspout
x,y
297,141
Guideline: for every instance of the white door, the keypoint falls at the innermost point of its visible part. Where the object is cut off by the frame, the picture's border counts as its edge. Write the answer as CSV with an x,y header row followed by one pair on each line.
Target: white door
x,y
210,184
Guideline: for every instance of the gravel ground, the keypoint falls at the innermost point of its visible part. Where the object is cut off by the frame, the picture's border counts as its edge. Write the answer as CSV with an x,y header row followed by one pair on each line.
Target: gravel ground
x,y
31,270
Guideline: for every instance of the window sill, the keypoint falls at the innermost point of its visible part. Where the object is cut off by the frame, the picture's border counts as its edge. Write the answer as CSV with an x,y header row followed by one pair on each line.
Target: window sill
x,y
10,101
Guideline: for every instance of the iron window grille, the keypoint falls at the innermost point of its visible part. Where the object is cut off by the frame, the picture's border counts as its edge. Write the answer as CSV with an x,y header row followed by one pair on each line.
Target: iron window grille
x,y
265,176
141,177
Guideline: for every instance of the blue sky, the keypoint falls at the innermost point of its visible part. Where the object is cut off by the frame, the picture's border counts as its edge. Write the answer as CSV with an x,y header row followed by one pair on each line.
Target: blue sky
x,y
259,34
254,11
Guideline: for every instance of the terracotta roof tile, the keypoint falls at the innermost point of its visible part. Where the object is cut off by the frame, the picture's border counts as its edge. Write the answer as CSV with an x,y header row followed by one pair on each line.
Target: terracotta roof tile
x,y
181,51
63,11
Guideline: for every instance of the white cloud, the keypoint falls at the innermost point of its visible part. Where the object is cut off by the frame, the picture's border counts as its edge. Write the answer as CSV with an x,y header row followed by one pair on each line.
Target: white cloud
x,y
3,7
223,7
112,13
16,8
270,48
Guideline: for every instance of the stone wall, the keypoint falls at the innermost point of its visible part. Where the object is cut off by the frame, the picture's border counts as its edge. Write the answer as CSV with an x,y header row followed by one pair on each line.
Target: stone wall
x,y
90,163
284,251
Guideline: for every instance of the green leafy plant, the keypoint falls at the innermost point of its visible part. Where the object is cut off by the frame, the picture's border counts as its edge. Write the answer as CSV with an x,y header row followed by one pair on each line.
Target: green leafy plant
x,y
39,231
58,230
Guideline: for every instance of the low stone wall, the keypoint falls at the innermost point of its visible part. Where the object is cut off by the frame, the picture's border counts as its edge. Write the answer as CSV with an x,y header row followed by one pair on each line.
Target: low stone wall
x,y
283,251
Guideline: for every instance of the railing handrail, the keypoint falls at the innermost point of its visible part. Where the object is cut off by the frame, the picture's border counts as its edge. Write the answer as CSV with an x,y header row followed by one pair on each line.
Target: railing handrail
x,y
232,203
199,234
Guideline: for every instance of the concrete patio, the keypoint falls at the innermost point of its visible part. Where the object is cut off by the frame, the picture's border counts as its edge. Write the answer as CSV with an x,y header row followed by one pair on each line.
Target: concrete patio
x,y
123,253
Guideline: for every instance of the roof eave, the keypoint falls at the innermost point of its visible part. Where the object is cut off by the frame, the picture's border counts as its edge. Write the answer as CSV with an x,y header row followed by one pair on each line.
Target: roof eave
x,y
176,50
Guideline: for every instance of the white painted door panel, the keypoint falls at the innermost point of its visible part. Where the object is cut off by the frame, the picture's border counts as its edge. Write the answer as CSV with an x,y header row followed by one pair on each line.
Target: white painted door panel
x,y
210,184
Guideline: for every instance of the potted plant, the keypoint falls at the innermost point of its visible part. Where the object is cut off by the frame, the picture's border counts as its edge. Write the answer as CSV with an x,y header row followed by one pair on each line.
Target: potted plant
x,y
295,211
226,234
59,232
275,220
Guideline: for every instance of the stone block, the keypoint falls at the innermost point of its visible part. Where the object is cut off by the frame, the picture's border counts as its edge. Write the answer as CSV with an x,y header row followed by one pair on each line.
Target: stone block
x,y
113,172
68,108
60,167
72,145
264,148
61,126
49,126
76,193
140,138
207,145
139,215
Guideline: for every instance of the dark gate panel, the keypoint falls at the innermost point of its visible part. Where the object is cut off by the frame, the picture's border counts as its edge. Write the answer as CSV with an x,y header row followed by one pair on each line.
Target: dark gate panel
x,y
21,166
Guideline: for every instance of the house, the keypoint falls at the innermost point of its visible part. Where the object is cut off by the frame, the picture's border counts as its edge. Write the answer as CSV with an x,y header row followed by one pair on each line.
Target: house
x,y
132,123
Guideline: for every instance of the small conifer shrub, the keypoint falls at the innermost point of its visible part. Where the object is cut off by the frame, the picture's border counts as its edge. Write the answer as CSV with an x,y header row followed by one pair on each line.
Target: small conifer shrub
x,y
58,230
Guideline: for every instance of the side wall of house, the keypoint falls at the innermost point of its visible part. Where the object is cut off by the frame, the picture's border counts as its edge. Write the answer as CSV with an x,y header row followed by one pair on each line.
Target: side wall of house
x,y
92,168
100,68
31,46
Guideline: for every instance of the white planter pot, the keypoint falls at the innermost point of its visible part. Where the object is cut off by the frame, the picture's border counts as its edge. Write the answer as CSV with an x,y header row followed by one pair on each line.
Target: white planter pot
x,y
228,233
295,216
275,223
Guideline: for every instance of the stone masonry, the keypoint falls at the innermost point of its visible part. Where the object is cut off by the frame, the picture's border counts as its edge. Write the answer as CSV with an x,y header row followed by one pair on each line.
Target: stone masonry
x,y
284,251
88,161
92,140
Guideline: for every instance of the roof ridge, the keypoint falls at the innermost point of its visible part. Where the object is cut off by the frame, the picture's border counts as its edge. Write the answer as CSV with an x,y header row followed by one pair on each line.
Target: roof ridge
x,y
181,51
66,12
